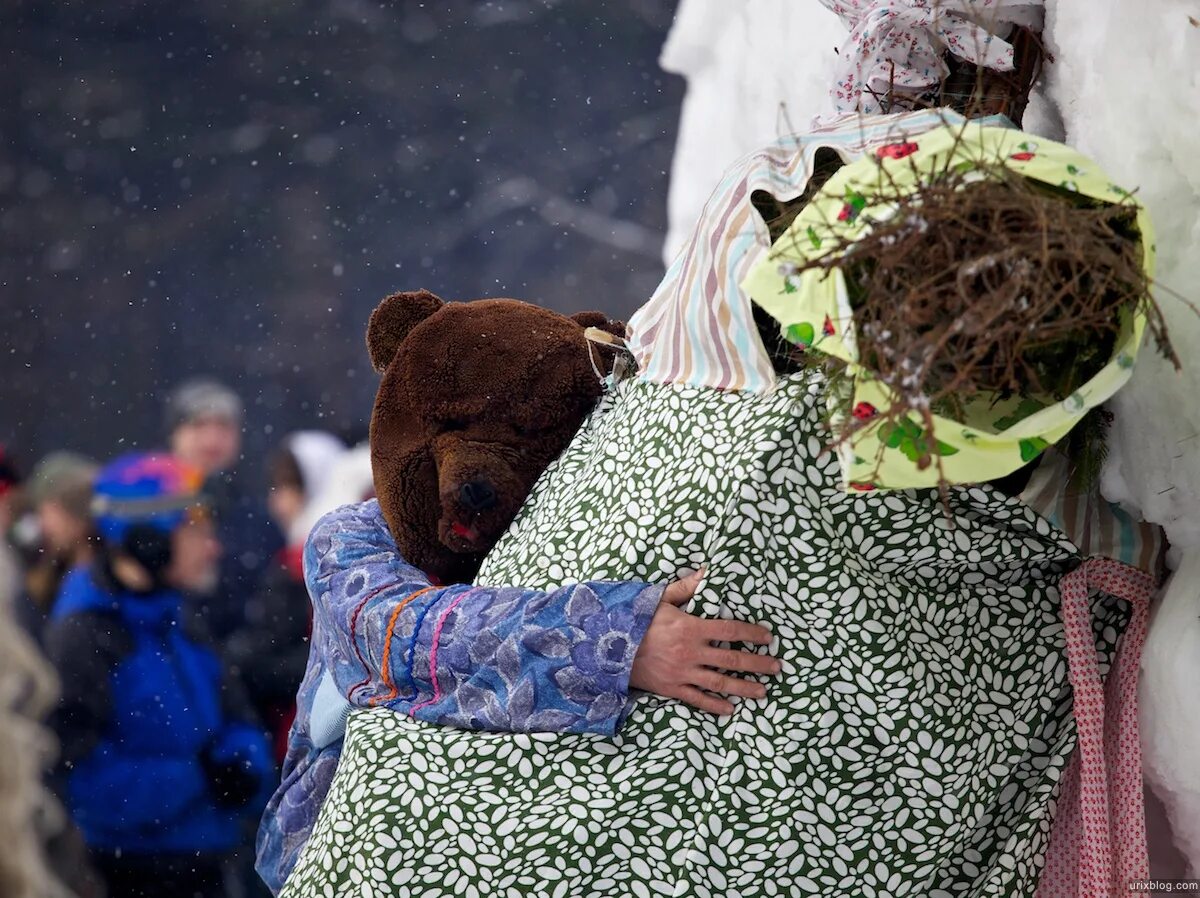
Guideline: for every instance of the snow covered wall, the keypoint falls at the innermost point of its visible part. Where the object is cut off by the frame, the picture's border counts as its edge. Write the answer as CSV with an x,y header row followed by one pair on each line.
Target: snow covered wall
x,y
755,70
1124,88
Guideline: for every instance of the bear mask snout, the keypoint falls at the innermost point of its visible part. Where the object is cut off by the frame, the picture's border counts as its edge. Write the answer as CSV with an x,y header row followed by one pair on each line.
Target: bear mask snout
x,y
480,492
477,495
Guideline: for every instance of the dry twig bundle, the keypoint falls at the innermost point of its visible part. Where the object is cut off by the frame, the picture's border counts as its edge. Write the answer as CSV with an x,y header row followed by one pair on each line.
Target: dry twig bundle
x,y
999,285
984,285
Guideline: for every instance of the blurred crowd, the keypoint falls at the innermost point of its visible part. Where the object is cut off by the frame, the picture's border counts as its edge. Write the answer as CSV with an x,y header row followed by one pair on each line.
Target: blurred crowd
x,y
154,627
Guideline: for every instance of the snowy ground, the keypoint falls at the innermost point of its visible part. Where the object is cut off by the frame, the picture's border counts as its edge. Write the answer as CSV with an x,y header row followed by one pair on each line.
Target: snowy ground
x,y
1125,89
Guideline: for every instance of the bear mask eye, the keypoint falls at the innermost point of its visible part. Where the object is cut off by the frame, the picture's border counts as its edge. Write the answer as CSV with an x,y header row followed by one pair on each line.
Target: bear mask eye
x,y
453,424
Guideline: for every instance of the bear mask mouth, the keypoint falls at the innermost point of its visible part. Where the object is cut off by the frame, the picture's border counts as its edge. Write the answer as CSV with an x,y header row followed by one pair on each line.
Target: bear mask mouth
x,y
462,538
465,532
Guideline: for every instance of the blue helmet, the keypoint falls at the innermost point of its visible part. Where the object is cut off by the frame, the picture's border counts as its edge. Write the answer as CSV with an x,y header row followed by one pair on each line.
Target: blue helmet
x,y
145,491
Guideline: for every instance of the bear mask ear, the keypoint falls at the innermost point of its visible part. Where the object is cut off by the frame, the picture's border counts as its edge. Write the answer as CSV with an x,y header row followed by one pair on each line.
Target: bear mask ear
x,y
393,319
600,320
606,356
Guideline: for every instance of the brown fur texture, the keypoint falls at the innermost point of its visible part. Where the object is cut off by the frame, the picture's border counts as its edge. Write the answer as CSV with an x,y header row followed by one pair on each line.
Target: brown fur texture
x,y
477,399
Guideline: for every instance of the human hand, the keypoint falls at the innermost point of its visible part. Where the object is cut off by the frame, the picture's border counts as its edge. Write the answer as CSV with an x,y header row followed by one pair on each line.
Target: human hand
x,y
677,658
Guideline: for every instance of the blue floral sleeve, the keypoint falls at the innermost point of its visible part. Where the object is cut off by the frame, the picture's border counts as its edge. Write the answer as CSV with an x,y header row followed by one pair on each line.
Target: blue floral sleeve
x,y
488,658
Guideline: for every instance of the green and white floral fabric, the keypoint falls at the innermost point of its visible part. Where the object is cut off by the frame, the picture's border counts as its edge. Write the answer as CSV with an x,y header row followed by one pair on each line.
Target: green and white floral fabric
x,y
910,747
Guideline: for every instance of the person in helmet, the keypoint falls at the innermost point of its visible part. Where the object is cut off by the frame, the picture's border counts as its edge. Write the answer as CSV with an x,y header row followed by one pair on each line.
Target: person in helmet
x,y
161,757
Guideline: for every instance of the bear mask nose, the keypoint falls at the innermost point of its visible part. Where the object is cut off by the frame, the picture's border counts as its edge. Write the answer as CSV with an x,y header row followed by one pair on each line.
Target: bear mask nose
x,y
477,495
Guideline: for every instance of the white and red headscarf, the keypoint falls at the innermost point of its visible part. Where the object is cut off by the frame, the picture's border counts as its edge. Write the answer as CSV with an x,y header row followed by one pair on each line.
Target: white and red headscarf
x,y
896,46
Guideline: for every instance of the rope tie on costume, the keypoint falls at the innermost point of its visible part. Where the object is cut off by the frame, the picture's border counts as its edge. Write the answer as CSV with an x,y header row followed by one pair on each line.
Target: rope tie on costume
x,y
433,654
389,679
1098,837
358,609
604,340
897,45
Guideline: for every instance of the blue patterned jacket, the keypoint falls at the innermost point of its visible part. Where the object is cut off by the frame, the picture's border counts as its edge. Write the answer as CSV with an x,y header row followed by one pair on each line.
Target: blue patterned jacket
x,y
480,658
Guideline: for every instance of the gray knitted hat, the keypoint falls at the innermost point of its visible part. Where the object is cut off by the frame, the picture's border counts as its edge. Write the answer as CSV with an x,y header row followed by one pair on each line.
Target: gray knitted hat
x,y
66,478
202,398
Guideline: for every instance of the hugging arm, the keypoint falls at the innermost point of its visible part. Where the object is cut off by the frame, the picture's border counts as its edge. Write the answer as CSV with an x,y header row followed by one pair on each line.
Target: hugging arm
x,y
495,658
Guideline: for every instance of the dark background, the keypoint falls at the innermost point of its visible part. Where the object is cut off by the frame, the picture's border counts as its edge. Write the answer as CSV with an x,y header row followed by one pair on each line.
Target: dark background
x,y
230,188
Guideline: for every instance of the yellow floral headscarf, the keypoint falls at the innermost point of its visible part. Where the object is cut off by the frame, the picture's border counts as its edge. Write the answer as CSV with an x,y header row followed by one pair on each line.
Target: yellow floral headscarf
x,y
813,310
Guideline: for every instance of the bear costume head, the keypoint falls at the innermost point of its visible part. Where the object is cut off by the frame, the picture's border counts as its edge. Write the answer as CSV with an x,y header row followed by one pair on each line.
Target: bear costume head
x,y
477,398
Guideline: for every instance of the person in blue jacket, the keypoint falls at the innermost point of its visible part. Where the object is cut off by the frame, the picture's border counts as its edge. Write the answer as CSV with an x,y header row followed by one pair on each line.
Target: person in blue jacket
x,y
161,758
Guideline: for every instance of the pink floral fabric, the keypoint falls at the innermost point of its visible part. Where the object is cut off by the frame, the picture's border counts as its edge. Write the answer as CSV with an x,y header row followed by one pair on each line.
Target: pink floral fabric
x,y
897,45
1098,840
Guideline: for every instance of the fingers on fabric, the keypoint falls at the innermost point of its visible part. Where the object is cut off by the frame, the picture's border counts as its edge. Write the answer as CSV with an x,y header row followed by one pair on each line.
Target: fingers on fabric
x,y
713,681
736,631
684,588
743,662
678,658
705,702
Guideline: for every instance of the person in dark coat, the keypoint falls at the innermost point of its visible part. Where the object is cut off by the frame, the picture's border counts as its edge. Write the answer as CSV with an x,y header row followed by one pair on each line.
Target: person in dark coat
x,y
10,562
271,650
161,757
204,425
59,495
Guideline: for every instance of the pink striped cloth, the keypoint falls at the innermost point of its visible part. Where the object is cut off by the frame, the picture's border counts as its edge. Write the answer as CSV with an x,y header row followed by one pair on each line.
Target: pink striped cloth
x,y
1095,526
1098,840
1098,835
